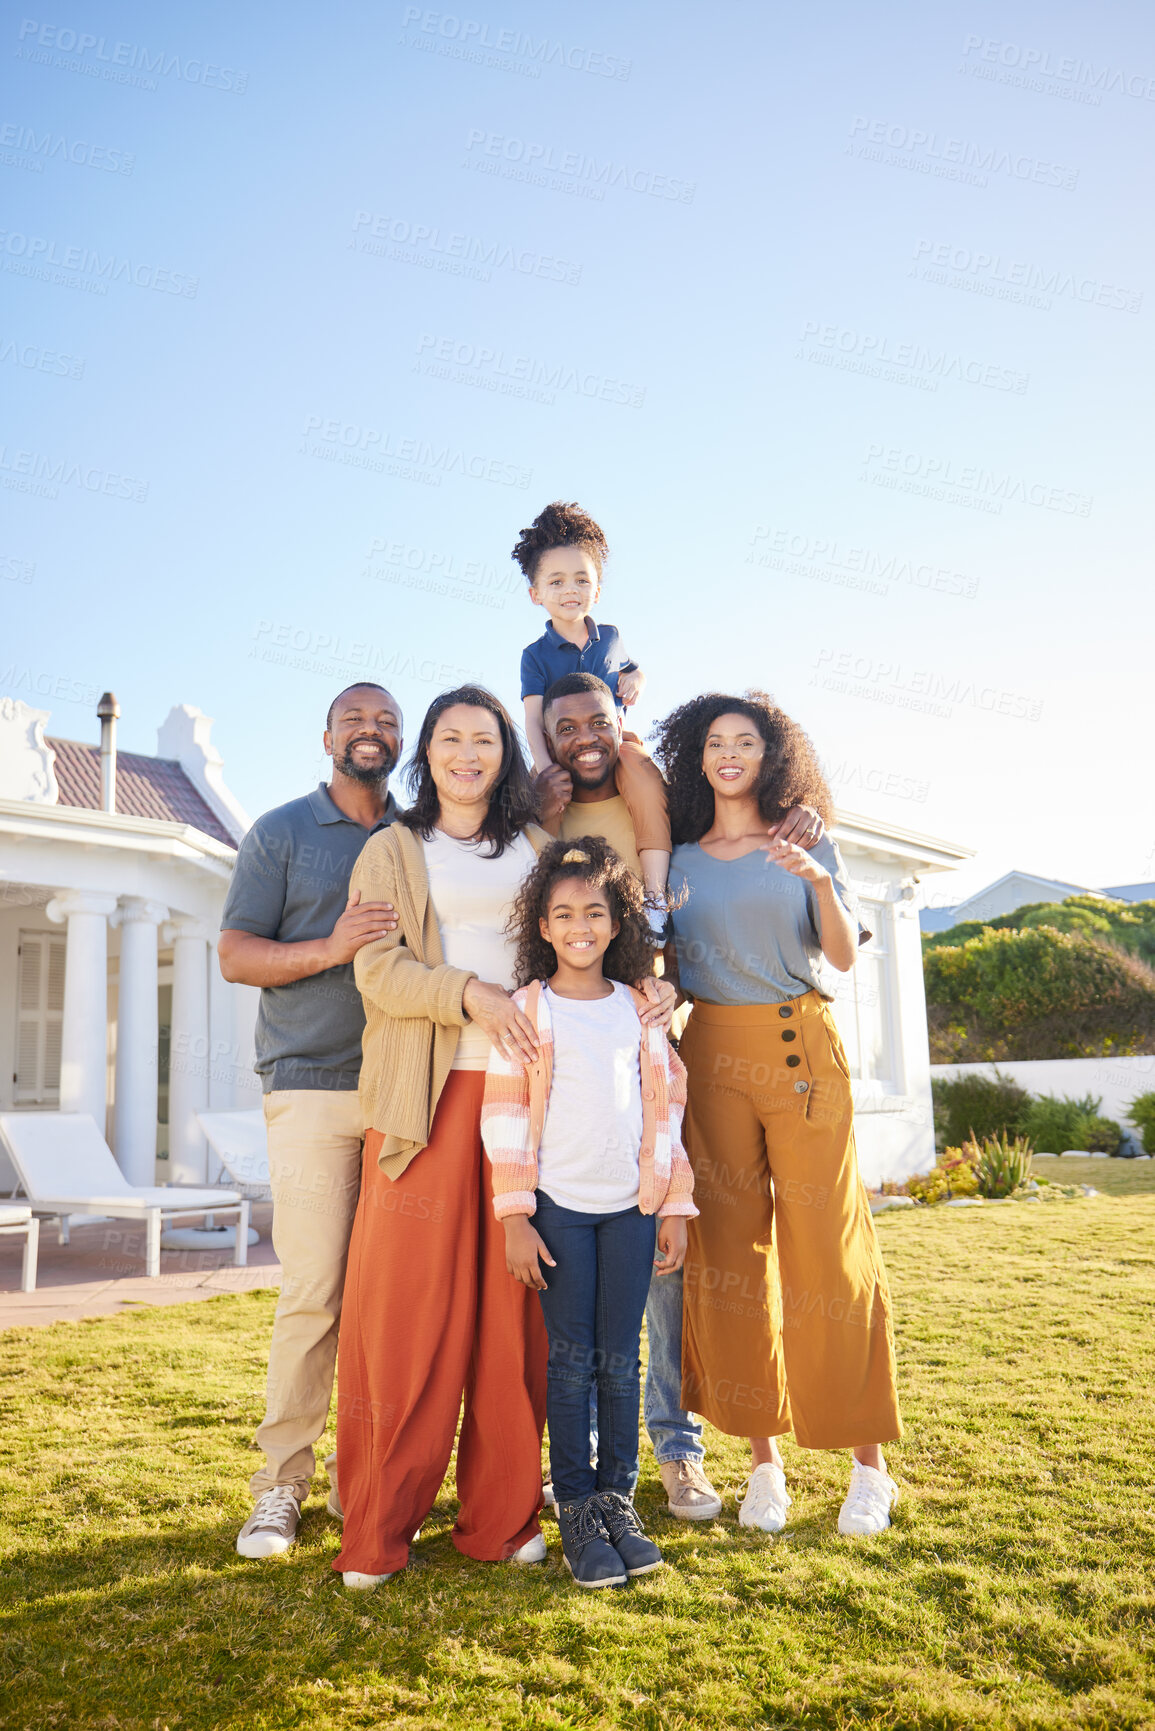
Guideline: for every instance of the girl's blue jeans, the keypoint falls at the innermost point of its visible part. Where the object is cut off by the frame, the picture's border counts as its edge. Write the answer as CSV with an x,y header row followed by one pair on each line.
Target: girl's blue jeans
x,y
593,1307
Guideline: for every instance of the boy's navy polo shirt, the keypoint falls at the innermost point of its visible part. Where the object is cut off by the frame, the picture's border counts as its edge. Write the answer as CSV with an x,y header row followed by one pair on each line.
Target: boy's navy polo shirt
x,y
553,656
291,882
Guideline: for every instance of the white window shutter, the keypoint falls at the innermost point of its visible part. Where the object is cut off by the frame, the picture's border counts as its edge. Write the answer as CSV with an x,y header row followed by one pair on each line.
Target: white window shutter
x,y
40,1007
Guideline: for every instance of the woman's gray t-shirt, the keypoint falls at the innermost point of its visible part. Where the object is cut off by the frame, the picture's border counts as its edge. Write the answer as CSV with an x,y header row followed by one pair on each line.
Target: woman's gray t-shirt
x,y
746,930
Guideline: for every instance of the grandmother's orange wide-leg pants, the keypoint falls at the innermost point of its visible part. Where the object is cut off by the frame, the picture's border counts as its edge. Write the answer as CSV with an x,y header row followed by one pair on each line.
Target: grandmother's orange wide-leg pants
x,y
786,1310
432,1317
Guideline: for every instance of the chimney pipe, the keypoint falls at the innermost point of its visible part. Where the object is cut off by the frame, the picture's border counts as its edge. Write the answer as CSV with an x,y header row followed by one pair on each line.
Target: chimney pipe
x,y
108,709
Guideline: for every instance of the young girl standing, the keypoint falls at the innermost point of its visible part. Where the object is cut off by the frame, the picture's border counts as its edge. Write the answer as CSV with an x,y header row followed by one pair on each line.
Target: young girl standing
x,y
585,1146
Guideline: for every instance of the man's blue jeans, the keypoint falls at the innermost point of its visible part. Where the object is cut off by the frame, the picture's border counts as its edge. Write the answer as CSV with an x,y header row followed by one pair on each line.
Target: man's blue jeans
x,y
593,1306
675,1434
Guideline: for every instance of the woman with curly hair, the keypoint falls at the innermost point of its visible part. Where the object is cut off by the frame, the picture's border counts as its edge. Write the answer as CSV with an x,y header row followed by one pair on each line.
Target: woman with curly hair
x,y
787,1311
585,1149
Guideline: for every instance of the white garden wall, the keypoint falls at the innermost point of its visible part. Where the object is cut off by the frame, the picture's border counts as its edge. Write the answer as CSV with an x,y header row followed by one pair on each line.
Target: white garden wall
x,y
1116,1080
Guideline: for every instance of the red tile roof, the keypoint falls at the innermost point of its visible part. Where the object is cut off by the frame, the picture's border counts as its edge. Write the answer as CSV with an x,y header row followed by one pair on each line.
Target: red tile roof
x,y
152,787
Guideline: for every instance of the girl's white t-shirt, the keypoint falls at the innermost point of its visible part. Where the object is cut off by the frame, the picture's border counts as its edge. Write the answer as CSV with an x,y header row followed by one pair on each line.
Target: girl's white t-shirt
x,y
588,1159
473,896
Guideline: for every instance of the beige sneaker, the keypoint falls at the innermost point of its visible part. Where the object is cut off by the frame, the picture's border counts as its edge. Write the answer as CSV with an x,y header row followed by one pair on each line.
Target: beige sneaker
x,y
691,1495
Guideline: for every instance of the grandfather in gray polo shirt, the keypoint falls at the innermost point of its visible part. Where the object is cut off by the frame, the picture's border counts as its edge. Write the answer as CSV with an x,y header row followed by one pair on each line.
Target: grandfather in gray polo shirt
x,y
291,927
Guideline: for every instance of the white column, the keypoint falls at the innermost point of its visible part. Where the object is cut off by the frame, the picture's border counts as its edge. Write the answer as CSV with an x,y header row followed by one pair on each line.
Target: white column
x,y
188,1050
134,1108
84,1033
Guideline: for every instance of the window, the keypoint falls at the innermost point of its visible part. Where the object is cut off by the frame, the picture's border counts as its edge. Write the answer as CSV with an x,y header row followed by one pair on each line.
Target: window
x,y
40,1017
864,1003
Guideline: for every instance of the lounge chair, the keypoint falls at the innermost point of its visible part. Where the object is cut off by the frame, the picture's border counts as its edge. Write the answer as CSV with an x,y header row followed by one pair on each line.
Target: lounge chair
x,y
239,1142
15,1220
66,1168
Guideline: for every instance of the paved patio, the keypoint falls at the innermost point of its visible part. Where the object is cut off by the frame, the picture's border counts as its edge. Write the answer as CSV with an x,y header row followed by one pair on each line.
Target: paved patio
x,y
101,1273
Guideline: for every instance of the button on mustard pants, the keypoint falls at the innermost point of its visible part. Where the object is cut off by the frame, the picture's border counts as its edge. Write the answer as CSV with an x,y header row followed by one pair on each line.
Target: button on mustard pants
x,y
787,1312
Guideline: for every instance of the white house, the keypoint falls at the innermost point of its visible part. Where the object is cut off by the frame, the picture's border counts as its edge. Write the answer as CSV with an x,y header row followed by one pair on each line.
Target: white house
x,y
1017,889
881,1006
113,873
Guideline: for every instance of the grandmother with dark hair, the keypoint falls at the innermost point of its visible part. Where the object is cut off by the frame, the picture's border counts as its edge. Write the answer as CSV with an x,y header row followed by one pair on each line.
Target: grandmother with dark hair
x,y
787,1312
430,1316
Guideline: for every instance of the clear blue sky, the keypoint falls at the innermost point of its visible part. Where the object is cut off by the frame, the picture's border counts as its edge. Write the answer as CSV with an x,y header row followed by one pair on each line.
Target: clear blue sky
x,y
827,313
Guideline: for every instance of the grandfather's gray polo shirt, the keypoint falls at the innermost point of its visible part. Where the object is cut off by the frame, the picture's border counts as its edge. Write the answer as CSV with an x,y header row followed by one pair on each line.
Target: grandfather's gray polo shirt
x,y
291,882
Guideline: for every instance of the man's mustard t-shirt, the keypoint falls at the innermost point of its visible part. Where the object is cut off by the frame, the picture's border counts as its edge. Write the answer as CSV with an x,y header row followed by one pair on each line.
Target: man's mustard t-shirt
x,y
608,818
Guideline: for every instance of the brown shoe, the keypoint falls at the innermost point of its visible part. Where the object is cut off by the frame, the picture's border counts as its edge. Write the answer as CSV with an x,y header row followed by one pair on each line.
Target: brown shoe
x,y
691,1495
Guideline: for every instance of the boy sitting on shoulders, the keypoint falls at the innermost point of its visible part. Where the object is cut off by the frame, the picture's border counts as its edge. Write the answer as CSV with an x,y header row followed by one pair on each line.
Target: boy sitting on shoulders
x,y
561,555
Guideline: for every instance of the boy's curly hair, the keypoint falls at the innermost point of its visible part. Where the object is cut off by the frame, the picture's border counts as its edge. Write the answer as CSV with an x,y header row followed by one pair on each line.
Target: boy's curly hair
x,y
790,773
560,525
629,958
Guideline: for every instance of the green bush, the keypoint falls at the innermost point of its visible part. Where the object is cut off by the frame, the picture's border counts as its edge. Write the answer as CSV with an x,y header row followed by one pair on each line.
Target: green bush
x,y
1036,993
978,1106
1129,926
1055,1124
1003,1165
1141,1112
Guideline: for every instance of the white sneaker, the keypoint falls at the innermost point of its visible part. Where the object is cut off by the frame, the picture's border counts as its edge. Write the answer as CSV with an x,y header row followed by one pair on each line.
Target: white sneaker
x,y
547,1495
533,1551
766,1500
272,1526
364,1583
869,1500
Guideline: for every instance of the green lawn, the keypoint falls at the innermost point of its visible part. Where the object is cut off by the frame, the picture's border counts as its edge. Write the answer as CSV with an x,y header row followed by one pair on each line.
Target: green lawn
x,y
1015,1589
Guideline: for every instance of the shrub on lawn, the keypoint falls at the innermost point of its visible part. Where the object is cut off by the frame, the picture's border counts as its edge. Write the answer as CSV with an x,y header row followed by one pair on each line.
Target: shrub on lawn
x,y
1036,993
1141,1112
953,1175
977,1106
1003,1166
1055,1125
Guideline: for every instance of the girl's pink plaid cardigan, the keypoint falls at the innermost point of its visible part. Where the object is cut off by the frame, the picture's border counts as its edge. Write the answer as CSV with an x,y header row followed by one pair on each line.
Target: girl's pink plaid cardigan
x,y
513,1115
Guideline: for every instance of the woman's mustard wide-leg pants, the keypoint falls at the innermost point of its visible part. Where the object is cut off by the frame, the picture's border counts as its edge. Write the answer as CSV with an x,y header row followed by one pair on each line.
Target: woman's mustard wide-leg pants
x,y
787,1313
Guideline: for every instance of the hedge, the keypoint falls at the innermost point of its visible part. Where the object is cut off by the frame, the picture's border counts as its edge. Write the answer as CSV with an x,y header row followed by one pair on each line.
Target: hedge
x,y
1036,993
1128,926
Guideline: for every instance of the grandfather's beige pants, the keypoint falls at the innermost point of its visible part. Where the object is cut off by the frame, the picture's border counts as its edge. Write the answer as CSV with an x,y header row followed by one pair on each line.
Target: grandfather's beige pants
x,y
315,1172
787,1313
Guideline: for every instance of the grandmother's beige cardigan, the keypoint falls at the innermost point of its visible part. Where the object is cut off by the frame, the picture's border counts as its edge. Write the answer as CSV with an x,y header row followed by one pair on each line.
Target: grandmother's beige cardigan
x,y
413,1010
